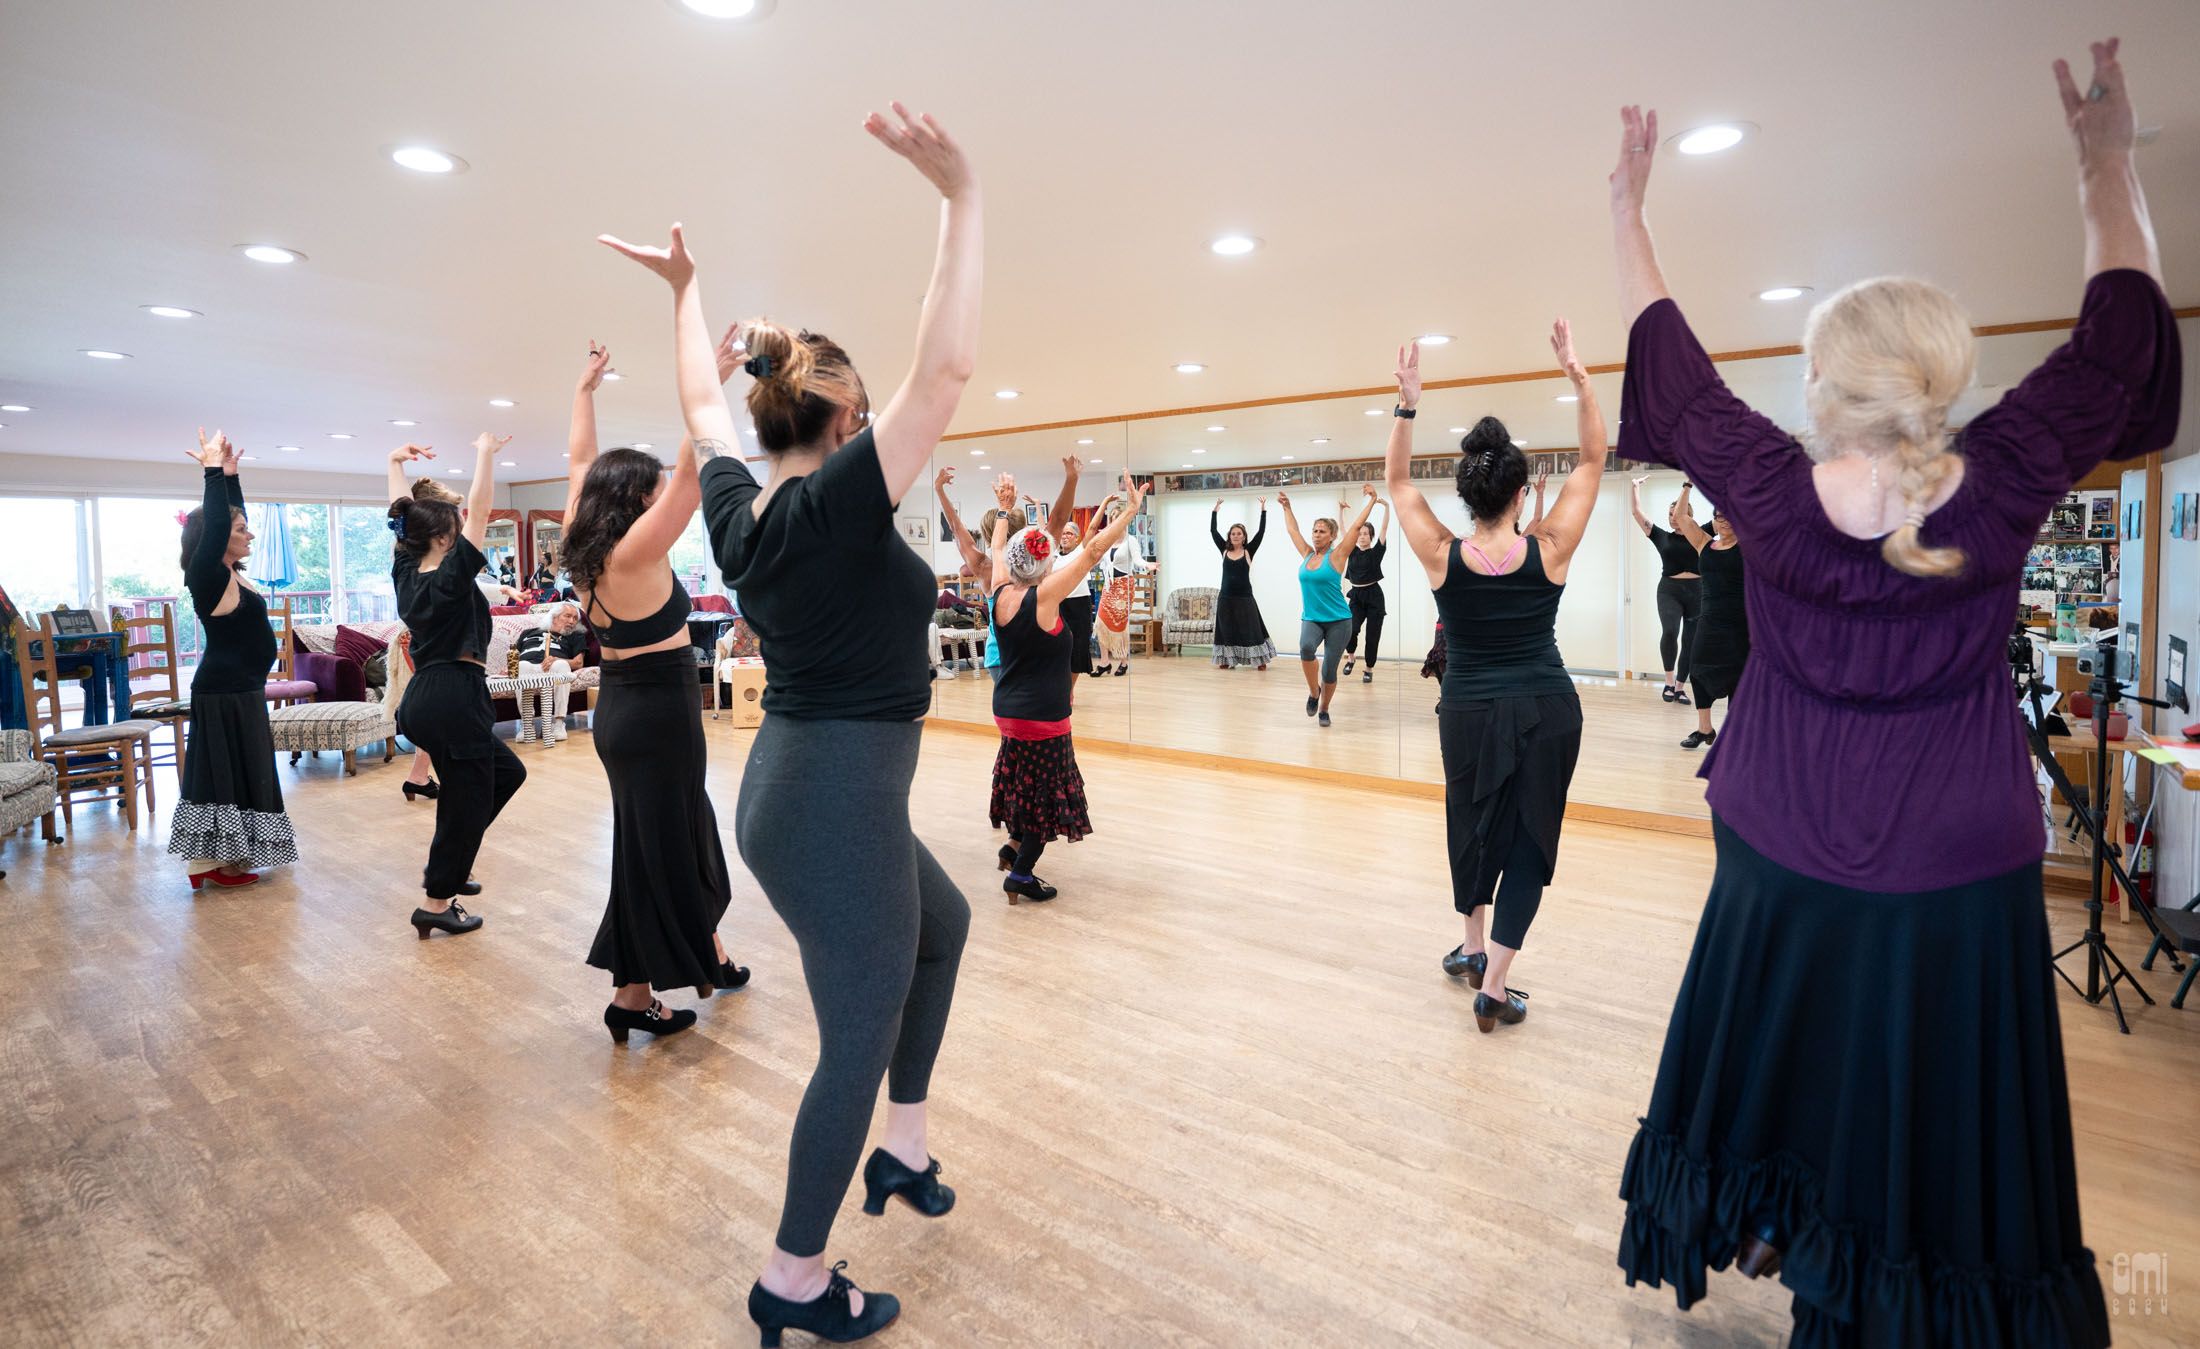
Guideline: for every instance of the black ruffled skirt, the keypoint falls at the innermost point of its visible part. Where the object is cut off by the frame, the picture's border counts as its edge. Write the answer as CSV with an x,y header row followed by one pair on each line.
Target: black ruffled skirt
x,y
232,803
1715,662
1038,790
1241,635
1879,1080
669,885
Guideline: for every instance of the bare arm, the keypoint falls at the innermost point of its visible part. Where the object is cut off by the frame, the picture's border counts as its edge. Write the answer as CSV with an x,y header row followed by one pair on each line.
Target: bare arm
x,y
964,544
1641,284
1634,503
1685,516
1004,491
1350,543
947,330
694,360
1065,505
1562,529
400,485
2118,230
580,440
481,494
1066,581
1291,525
651,537
1542,480
1425,534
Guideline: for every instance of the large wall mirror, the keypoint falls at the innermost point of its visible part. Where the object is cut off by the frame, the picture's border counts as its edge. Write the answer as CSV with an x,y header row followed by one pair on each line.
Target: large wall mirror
x,y
1212,470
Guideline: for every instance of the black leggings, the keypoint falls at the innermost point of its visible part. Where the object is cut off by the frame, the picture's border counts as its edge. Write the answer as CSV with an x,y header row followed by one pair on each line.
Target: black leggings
x,y
1028,848
1368,608
1680,604
446,711
823,823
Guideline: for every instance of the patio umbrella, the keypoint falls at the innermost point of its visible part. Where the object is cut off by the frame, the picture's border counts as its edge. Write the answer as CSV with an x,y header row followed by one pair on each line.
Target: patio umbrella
x,y
273,563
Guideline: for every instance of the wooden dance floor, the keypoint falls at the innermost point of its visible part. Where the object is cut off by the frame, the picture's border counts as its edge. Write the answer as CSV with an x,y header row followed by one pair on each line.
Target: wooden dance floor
x,y
1217,1094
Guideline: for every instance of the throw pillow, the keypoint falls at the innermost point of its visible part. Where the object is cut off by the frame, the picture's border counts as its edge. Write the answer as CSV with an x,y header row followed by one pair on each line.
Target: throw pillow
x,y
377,669
356,646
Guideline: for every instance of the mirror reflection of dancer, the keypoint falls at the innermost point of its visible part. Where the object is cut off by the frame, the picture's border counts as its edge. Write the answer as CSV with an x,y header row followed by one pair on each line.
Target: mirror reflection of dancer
x,y
1866,972
1077,607
840,604
1038,794
1722,630
1324,617
1122,562
1363,577
669,887
977,559
1510,720
1680,585
447,712
1241,635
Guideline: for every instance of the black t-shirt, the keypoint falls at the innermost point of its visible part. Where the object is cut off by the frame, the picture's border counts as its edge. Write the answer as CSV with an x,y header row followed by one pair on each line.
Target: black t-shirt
x,y
562,645
1676,555
445,611
1365,566
838,601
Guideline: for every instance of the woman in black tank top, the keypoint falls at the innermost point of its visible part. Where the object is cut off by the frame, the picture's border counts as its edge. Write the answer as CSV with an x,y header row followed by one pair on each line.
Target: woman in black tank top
x,y
1680,586
669,885
1510,720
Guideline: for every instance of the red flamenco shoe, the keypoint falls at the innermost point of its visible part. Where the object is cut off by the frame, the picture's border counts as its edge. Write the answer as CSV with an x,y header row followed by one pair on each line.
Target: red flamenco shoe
x,y
225,879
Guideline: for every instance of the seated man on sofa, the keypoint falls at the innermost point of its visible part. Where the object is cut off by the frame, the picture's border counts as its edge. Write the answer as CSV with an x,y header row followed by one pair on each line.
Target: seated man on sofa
x,y
555,649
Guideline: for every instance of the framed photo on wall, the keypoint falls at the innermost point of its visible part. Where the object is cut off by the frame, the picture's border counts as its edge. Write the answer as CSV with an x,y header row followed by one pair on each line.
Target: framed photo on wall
x,y
916,530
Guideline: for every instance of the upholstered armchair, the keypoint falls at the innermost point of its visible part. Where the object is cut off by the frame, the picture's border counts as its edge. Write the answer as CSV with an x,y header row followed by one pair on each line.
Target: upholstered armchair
x,y
1188,618
26,786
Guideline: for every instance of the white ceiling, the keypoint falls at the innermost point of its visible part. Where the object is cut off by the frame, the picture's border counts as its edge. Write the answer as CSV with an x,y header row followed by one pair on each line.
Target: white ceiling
x,y
1411,167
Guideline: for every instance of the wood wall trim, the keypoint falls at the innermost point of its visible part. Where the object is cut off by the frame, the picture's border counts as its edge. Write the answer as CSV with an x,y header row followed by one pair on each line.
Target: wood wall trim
x,y
1471,381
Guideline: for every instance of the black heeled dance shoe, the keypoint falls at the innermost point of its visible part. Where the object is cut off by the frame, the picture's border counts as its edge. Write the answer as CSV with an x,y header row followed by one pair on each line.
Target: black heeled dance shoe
x,y
454,920
427,789
1666,692
1468,967
1034,890
1698,739
886,1177
728,978
653,1018
826,1316
1007,856
1490,1013
469,888
1756,1257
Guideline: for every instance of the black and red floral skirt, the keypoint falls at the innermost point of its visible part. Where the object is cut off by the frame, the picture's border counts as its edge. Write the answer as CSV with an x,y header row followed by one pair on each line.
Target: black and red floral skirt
x,y
1038,790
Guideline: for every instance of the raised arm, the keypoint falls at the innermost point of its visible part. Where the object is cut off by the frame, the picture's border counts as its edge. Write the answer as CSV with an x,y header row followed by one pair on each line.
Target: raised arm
x,y
1562,529
204,572
1004,492
481,494
1345,547
661,526
1291,524
1684,517
1066,581
1214,527
1065,505
694,361
1641,284
1634,503
2118,230
401,486
1542,481
947,329
580,440
1252,545
964,544
1425,534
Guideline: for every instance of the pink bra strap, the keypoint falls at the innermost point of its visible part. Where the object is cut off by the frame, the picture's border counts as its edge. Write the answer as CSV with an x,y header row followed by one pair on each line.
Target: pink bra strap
x,y
1496,568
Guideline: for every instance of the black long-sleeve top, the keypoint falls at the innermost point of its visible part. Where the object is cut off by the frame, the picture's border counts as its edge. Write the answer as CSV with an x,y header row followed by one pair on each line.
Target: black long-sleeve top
x,y
240,646
1237,573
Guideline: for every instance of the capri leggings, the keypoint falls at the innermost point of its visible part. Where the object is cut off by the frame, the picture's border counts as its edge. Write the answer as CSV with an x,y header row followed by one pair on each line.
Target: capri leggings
x,y
1315,636
823,823
1680,603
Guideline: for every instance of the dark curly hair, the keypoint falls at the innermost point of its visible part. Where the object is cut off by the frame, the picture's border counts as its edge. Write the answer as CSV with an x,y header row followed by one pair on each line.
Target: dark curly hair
x,y
1492,469
427,516
613,496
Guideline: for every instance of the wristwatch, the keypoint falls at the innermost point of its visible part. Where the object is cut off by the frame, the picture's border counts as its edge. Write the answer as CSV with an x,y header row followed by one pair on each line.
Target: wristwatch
x,y
1403,411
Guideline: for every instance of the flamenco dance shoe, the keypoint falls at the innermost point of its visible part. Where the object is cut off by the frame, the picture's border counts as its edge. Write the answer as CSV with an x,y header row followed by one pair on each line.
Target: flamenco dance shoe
x,y
1698,739
1007,856
1034,890
1756,1257
884,1178
469,887
454,920
728,977
1124,668
427,789
224,878
826,1316
1491,1012
1460,965
653,1018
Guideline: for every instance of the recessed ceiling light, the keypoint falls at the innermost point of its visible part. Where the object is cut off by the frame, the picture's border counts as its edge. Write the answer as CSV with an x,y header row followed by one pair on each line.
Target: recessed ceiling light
x,y
1782,292
1200,451
643,445
1187,466
1290,456
1321,440
613,374
14,407
290,449
169,311
1234,245
500,402
403,423
1092,461
1518,441
568,454
454,472
1434,339
339,435
977,454
1569,398
508,463
1373,412
426,159
1189,367
270,253
1710,139
1218,428
98,355
248,456
727,9
1087,442
1007,393
1459,430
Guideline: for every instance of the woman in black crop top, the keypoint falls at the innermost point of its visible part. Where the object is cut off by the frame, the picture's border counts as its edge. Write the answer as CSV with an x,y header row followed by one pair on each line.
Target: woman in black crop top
x,y
841,605
1363,590
1510,721
1680,588
1241,634
1038,794
669,885
230,821
433,562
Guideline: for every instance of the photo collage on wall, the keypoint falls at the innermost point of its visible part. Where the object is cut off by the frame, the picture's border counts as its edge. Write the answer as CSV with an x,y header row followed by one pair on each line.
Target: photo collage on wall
x,y
2075,560
1348,473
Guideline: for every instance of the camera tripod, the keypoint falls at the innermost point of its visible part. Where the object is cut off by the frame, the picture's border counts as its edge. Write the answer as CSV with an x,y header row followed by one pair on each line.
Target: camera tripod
x,y
2101,959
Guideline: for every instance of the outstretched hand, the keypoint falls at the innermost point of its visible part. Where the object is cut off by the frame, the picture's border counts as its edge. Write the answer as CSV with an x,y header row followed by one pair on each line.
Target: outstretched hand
x,y
673,262
924,143
1562,342
1408,375
1638,145
216,452
1072,467
732,353
944,479
1283,500
2100,119
1004,492
599,365
490,443
408,452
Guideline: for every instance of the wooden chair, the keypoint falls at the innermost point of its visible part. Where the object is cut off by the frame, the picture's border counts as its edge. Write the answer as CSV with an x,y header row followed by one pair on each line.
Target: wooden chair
x,y
1144,629
284,688
114,762
163,697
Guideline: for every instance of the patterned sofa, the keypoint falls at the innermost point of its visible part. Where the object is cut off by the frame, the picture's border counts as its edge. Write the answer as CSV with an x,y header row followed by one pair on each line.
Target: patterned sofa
x,y
1188,618
341,680
26,787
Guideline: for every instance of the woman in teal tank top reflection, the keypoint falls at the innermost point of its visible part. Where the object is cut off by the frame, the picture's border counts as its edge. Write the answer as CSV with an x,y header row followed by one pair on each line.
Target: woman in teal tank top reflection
x,y
1325,619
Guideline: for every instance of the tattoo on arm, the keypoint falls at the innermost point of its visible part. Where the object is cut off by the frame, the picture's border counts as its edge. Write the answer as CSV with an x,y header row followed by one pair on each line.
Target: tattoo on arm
x,y
709,449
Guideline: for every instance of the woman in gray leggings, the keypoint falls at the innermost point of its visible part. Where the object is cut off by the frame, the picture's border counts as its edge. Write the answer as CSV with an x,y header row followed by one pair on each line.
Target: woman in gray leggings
x,y
840,606
1325,618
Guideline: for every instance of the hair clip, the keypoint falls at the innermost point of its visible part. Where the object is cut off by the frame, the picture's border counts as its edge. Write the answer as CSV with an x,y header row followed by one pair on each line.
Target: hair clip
x,y
397,525
759,367
1916,518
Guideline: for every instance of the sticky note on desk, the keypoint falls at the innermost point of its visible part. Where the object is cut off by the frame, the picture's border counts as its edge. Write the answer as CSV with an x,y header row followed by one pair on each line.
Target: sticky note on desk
x,y
2158,755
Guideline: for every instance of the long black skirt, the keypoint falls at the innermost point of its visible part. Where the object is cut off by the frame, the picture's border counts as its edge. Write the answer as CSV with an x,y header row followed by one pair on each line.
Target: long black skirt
x,y
1715,661
1507,765
1037,790
1077,613
1241,635
1877,1078
668,869
231,809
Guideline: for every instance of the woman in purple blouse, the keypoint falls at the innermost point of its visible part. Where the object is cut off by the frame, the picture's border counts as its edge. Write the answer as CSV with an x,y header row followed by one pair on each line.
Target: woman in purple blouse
x,y
1862,1085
